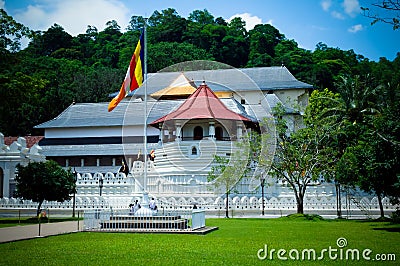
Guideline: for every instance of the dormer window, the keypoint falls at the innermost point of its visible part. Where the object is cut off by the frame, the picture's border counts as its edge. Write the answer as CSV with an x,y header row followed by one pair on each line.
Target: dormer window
x,y
194,150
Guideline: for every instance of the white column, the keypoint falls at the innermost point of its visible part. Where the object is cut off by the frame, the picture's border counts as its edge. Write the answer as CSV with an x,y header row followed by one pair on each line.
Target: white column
x,y
160,138
239,132
165,135
178,132
211,130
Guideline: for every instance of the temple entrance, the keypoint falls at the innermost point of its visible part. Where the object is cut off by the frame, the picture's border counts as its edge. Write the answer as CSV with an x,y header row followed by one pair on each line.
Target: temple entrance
x,y
218,133
198,133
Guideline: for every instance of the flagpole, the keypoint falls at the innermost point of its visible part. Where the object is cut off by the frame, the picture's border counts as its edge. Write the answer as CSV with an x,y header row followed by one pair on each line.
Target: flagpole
x,y
145,196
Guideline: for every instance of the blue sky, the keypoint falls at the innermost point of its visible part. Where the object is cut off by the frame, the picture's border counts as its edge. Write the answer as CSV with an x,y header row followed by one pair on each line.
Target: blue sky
x,y
337,23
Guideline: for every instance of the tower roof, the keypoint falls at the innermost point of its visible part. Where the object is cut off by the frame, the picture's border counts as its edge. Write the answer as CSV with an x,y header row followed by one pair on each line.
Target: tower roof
x,y
181,87
202,104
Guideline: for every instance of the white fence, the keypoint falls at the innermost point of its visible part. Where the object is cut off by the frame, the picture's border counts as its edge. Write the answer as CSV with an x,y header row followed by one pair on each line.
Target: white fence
x,y
212,205
173,220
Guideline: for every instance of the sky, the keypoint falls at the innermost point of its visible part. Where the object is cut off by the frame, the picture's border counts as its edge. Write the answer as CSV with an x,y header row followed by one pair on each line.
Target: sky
x,y
337,23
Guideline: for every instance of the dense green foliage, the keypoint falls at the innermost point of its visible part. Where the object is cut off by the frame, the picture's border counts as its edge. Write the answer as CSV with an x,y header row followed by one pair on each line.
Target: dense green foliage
x,y
302,154
39,181
55,69
351,138
236,242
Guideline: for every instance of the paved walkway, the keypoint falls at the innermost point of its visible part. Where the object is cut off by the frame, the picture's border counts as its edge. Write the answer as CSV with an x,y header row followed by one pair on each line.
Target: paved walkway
x,y
9,234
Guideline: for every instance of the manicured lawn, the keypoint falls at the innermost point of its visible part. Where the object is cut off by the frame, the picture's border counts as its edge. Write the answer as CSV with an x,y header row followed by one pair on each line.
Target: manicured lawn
x,y
235,243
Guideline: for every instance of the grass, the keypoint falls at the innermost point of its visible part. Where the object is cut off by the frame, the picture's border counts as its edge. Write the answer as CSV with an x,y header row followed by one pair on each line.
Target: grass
x,y
235,243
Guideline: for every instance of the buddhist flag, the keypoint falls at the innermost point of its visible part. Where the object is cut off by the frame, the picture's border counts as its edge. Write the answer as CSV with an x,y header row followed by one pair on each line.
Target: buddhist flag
x,y
152,155
134,75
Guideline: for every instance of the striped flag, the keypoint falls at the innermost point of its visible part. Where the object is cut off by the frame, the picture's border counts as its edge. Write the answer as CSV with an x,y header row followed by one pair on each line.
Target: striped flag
x,y
134,75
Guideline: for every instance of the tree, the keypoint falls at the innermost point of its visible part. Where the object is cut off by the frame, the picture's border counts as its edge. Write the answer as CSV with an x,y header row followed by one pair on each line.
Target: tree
x,y
196,32
263,39
367,139
11,32
370,165
347,113
322,111
392,7
166,26
332,63
165,54
40,181
227,172
20,103
298,60
136,23
202,17
47,42
301,157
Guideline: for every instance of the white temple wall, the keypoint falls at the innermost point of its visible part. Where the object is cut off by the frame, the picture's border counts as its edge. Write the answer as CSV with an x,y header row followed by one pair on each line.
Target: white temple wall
x,y
10,157
250,97
288,97
85,132
292,96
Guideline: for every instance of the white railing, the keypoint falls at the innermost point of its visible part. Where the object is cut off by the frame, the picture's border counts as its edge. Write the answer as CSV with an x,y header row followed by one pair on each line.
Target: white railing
x,y
125,220
212,205
198,219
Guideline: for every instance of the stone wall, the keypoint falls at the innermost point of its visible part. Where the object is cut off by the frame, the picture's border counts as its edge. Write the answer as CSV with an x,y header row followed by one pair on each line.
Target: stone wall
x,y
12,155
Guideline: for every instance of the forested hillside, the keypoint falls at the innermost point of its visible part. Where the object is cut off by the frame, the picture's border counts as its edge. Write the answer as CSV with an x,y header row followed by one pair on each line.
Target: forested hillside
x,y
55,69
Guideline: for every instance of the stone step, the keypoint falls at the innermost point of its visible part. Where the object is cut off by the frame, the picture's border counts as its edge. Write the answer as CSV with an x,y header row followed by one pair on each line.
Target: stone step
x,y
145,223
147,218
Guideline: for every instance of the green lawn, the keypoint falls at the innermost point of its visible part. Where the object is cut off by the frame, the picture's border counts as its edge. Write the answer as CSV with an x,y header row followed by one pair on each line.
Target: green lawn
x,y
235,243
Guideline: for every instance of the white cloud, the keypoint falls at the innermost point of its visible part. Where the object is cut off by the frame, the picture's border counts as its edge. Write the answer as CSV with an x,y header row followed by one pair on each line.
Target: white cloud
x,y
326,4
2,4
356,28
339,11
337,15
74,15
250,20
34,17
351,7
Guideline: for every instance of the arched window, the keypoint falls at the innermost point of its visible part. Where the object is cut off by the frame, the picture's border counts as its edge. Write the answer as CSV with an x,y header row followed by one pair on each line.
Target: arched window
x,y
194,150
198,133
219,133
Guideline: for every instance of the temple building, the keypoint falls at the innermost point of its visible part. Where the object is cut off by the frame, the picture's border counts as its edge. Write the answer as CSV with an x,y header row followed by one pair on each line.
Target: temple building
x,y
191,116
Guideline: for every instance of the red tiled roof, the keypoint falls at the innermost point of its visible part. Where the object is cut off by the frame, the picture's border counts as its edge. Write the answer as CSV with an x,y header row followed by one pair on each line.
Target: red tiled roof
x,y
30,140
202,104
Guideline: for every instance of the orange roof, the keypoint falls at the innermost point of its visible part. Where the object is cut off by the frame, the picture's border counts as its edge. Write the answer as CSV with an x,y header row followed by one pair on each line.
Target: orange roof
x,y
30,140
180,87
202,104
